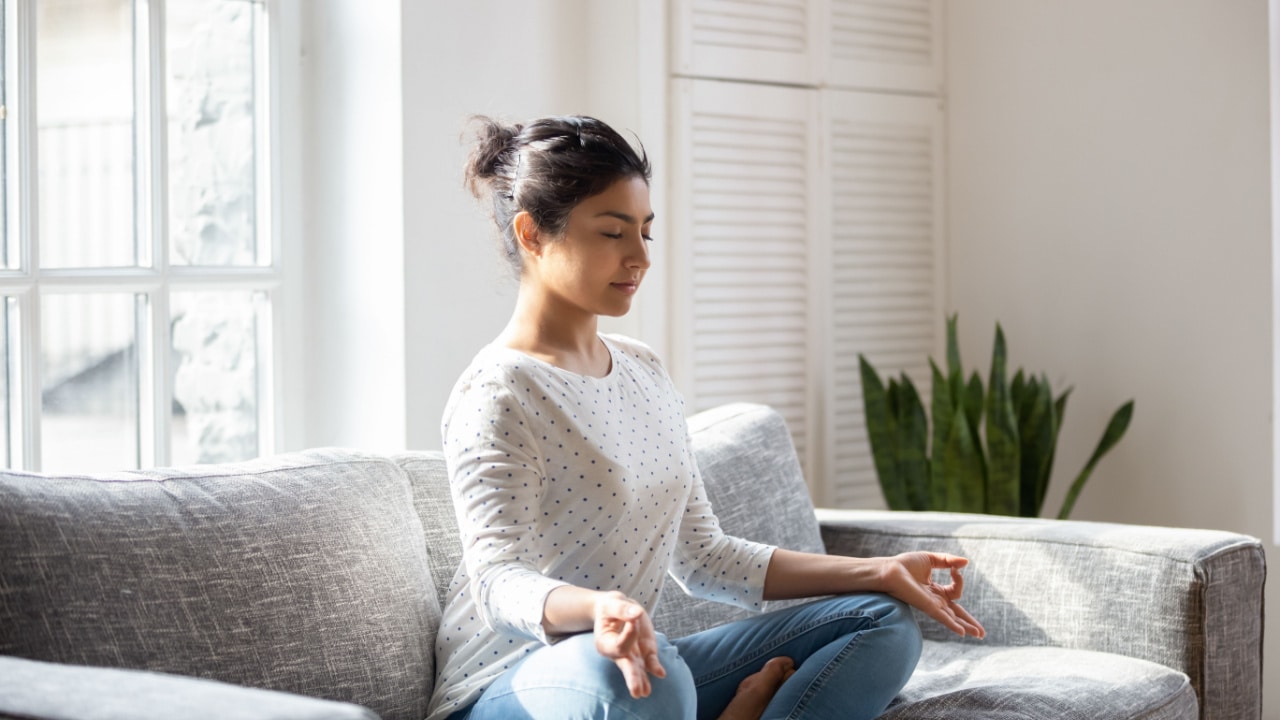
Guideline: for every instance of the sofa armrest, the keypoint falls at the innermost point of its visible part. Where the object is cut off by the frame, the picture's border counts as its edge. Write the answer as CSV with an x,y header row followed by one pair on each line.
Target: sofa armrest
x,y
35,690
1188,599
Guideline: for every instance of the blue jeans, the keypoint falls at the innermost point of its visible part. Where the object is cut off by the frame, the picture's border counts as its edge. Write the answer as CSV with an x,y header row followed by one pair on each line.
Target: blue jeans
x,y
853,654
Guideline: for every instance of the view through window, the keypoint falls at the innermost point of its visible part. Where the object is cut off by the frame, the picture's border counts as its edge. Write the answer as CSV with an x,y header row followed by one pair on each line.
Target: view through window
x,y
139,276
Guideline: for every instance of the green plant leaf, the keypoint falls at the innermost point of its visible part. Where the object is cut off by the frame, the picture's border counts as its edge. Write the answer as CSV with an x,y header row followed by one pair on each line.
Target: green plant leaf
x,y
1004,465
954,369
882,432
1059,411
1037,428
966,486
1060,405
974,401
913,437
1115,430
943,412
1017,392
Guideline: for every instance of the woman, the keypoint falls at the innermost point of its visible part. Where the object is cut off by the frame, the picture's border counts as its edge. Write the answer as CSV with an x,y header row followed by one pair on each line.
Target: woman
x,y
576,493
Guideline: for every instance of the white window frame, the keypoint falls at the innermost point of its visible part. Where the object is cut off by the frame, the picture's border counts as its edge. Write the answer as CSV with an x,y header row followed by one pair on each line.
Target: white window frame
x,y
153,278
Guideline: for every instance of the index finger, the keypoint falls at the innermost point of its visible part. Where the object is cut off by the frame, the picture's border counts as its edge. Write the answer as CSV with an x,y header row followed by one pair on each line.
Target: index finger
x,y
943,561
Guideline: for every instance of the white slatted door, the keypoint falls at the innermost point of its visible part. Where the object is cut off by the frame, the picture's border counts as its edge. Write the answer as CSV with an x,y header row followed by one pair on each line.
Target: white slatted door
x,y
757,40
884,44
886,266
743,195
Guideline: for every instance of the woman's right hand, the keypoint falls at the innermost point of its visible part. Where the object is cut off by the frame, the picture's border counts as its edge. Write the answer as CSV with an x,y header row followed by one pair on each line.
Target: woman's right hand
x,y
624,633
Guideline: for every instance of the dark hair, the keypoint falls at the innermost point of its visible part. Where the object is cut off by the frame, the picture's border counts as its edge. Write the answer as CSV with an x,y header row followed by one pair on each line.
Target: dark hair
x,y
546,168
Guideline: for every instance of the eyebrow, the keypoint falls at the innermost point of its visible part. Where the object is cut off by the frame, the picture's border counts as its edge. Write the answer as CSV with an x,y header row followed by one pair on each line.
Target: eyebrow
x,y
624,217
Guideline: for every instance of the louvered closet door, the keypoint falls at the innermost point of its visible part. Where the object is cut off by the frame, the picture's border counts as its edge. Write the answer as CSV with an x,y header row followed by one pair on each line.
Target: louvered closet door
x,y
743,197
757,40
886,263
884,44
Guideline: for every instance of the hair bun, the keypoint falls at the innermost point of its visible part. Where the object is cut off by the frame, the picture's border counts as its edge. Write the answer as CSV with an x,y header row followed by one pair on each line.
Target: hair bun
x,y
492,154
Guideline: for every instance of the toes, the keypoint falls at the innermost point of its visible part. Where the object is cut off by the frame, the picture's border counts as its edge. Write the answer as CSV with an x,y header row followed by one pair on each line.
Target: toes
x,y
780,666
770,677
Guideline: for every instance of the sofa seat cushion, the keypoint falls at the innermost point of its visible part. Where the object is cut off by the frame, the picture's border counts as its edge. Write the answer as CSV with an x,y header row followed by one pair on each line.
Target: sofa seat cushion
x,y
963,681
53,691
304,573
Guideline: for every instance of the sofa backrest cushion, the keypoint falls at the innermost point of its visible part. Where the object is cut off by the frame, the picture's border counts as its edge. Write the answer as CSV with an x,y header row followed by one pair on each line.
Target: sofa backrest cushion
x,y
304,573
756,487
431,497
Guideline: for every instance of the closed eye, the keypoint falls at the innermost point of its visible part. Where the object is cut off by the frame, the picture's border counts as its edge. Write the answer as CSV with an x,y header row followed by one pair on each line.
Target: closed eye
x,y
618,236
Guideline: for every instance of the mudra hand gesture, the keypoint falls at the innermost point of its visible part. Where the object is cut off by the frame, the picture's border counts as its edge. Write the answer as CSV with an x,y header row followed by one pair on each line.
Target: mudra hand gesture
x,y
624,633
909,578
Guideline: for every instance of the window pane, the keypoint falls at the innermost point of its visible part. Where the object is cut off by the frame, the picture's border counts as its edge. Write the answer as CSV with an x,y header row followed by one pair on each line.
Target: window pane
x,y
215,384
89,373
4,143
7,356
213,152
84,71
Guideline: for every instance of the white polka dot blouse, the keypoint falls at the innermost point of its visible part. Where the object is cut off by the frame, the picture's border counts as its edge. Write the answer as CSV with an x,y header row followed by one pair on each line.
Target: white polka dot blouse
x,y
560,478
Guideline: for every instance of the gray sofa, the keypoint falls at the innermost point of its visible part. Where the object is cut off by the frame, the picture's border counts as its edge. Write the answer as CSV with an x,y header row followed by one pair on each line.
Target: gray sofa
x,y
308,585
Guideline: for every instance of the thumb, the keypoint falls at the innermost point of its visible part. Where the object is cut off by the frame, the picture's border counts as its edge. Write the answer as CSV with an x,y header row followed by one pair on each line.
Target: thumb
x,y
622,608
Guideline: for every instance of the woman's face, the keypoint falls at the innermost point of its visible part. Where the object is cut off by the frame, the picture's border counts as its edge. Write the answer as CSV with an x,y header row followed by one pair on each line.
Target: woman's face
x,y
597,264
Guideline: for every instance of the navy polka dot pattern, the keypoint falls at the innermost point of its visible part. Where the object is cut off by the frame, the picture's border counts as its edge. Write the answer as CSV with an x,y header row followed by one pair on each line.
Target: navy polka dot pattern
x,y
559,478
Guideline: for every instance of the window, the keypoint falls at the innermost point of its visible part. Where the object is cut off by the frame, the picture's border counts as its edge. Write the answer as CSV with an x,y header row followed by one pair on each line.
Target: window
x,y
139,270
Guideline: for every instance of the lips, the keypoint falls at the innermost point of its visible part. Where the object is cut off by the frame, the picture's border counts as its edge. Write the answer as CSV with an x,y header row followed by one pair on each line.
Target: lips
x,y
627,287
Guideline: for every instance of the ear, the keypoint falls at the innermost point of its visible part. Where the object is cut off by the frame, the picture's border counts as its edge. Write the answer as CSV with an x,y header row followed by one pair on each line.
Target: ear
x,y
526,233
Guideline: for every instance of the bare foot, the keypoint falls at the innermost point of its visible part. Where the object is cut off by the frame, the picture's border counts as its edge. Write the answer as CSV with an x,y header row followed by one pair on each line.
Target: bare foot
x,y
755,692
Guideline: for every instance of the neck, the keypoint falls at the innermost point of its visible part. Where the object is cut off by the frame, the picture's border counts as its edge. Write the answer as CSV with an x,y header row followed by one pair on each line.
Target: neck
x,y
541,326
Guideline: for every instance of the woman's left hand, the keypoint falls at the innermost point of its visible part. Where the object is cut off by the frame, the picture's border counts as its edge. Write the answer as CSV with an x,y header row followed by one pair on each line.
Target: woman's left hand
x,y
909,578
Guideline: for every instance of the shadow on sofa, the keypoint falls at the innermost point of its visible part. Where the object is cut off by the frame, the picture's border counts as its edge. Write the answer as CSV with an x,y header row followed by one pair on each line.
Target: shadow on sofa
x,y
321,573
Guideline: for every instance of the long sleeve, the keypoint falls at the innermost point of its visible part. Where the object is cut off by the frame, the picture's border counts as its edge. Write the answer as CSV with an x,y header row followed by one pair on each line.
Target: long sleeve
x,y
497,486
712,565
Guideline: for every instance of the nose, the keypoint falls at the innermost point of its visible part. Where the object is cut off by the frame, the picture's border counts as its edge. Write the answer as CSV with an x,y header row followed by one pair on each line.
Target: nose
x,y
638,258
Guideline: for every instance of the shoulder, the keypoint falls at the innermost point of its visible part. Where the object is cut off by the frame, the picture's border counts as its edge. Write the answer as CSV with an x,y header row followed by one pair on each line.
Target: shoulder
x,y
633,348
488,383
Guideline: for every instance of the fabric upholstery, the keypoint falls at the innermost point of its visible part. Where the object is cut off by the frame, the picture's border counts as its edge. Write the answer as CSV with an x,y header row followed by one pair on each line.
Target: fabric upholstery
x,y
304,573
970,681
49,691
1187,599
757,489
429,479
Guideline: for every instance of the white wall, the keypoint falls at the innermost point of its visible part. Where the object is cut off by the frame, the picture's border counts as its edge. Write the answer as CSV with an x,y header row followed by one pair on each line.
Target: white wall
x,y
352,219
1109,195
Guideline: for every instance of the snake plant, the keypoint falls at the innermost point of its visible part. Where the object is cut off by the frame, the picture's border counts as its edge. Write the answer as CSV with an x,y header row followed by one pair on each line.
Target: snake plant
x,y
990,450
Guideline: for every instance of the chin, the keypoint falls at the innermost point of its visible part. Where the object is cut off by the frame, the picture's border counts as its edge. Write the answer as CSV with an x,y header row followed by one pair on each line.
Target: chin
x,y
614,311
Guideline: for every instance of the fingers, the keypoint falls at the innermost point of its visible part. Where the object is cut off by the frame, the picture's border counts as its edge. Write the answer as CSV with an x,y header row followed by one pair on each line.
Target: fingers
x,y
620,607
647,639
625,634
937,600
943,561
637,679
957,582
975,628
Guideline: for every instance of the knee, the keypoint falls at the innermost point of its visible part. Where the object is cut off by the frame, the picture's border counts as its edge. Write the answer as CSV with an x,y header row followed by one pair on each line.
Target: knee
x,y
592,686
896,619
895,623
903,622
